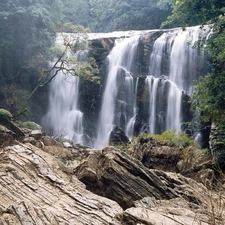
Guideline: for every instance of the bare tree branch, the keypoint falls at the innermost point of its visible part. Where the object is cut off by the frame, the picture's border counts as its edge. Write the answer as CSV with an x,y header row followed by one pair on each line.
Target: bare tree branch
x,y
59,65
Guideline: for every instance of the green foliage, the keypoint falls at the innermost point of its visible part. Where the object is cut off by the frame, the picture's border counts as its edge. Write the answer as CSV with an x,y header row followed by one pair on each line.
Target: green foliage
x,y
171,137
14,96
5,115
191,152
179,139
27,30
124,147
58,50
110,15
165,4
209,95
29,125
69,27
78,12
88,70
130,15
217,144
188,13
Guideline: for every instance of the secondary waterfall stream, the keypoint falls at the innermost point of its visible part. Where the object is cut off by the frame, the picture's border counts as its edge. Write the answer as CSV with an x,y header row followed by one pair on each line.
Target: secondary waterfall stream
x,y
119,99
175,49
64,119
128,103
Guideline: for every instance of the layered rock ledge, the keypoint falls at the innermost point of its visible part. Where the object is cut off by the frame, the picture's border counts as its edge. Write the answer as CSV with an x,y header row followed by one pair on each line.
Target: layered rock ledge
x,y
42,186
36,188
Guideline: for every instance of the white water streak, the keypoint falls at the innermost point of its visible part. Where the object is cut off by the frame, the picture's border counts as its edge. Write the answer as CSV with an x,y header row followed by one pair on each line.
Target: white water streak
x,y
120,65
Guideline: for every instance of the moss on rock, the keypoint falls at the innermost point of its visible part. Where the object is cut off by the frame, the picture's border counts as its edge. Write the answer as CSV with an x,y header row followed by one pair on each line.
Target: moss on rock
x,y
5,117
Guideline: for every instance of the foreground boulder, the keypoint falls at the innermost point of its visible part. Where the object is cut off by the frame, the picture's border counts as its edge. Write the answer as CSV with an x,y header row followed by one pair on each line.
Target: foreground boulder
x,y
8,129
121,178
168,157
148,196
35,188
118,137
124,179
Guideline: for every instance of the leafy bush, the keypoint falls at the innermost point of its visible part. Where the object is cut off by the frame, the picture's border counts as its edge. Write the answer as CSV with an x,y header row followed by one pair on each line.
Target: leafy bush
x,y
5,117
29,125
172,137
5,113
169,137
15,96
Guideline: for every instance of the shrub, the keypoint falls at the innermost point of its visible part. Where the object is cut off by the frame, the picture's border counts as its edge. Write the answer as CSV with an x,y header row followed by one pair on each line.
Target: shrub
x,y
5,115
172,137
29,125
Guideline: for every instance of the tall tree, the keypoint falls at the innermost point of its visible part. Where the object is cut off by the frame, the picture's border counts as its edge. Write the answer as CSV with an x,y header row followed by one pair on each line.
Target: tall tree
x,y
78,12
27,32
189,13
128,14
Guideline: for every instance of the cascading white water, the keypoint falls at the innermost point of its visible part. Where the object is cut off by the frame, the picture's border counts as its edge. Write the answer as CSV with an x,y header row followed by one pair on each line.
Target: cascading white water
x,y
64,119
152,84
184,58
173,114
173,66
175,50
158,52
129,129
119,100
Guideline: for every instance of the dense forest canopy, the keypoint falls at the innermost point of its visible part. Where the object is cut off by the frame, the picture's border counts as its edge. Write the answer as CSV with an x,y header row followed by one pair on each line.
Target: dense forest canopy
x,y
111,15
28,29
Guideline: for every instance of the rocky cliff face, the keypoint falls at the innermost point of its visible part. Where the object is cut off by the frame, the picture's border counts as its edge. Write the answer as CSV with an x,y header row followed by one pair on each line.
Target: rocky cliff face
x,y
44,181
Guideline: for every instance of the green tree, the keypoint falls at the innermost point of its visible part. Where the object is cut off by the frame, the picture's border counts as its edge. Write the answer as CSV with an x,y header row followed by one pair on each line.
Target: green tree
x,y
128,14
78,12
209,95
189,13
69,27
27,32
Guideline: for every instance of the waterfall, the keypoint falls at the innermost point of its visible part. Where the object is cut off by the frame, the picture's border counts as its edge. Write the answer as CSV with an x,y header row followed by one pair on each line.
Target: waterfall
x,y
149,78
119,100
160,48
156,87
129,128
175,58
64,119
